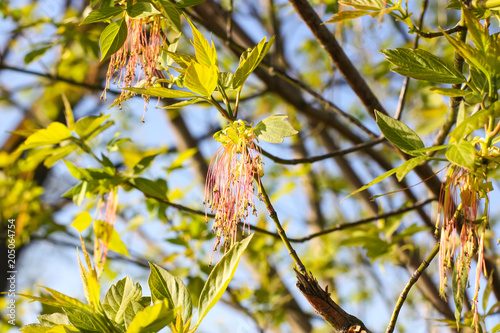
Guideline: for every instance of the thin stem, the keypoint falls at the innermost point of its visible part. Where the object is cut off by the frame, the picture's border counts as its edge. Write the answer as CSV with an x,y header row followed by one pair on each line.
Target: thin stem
x,y
413,279
322,157
457,28
406,83
281,231
342,226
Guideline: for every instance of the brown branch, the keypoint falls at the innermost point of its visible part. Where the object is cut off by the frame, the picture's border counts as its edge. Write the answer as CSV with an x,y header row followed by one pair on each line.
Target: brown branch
x,y
338,56
320,299
322,157
424,34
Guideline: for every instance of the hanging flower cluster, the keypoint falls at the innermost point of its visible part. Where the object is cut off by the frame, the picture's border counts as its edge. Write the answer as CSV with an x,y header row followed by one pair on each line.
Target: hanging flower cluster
x,y
462,230
230,187
142,48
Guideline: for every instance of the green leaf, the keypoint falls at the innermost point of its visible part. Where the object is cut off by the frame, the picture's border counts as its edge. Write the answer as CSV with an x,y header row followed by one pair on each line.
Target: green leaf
x,y
35,54
84,321
54,318
82,221
472,56
423,65
86,126
103,14
132,309
420,151
113,37
249,60
346,15
152,319
274,128
141,10
476,121
188,3
180,59
478,34
201,79
165,286
162,92
364,4
55,133
150,188
398,133
462,154
450,92
179,105
144,163
116,244
169,11
373,182
409,165
119,297
226,80
219,278
59,153
205,54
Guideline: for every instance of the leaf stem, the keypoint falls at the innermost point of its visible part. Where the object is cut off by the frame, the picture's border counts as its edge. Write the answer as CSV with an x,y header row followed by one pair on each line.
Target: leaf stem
x,y
281,231
413,279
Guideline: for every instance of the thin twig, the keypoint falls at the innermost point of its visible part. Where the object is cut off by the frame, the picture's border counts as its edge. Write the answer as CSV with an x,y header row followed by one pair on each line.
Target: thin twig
x,y
413,279
322,157
281,231
457,28
347,225
55,78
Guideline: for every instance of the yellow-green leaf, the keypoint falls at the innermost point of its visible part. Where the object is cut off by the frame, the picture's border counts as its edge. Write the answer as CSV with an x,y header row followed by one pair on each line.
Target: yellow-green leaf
x,y
201,79
82,221
152,319
274,128
55,133
113,37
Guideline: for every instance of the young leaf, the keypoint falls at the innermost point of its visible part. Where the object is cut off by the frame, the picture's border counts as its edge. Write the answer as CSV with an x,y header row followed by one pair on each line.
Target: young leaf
x,y
82,221
478,34
188,3
166,287
423,65
90,126
201,79
170,12
141,10
162,92
476,121
472,56
116,244
53,134
450,92
118,297
84,321
398,133
462,154
150,188
33,55
373,182
113,37
152,319
205,54
219,278
249,60
274,128
103,14
364,4
346,15
143,164
409,165
420,151
179,105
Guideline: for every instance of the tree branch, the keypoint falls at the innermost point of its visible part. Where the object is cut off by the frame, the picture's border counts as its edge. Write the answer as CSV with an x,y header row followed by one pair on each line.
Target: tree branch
x,y
322,157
